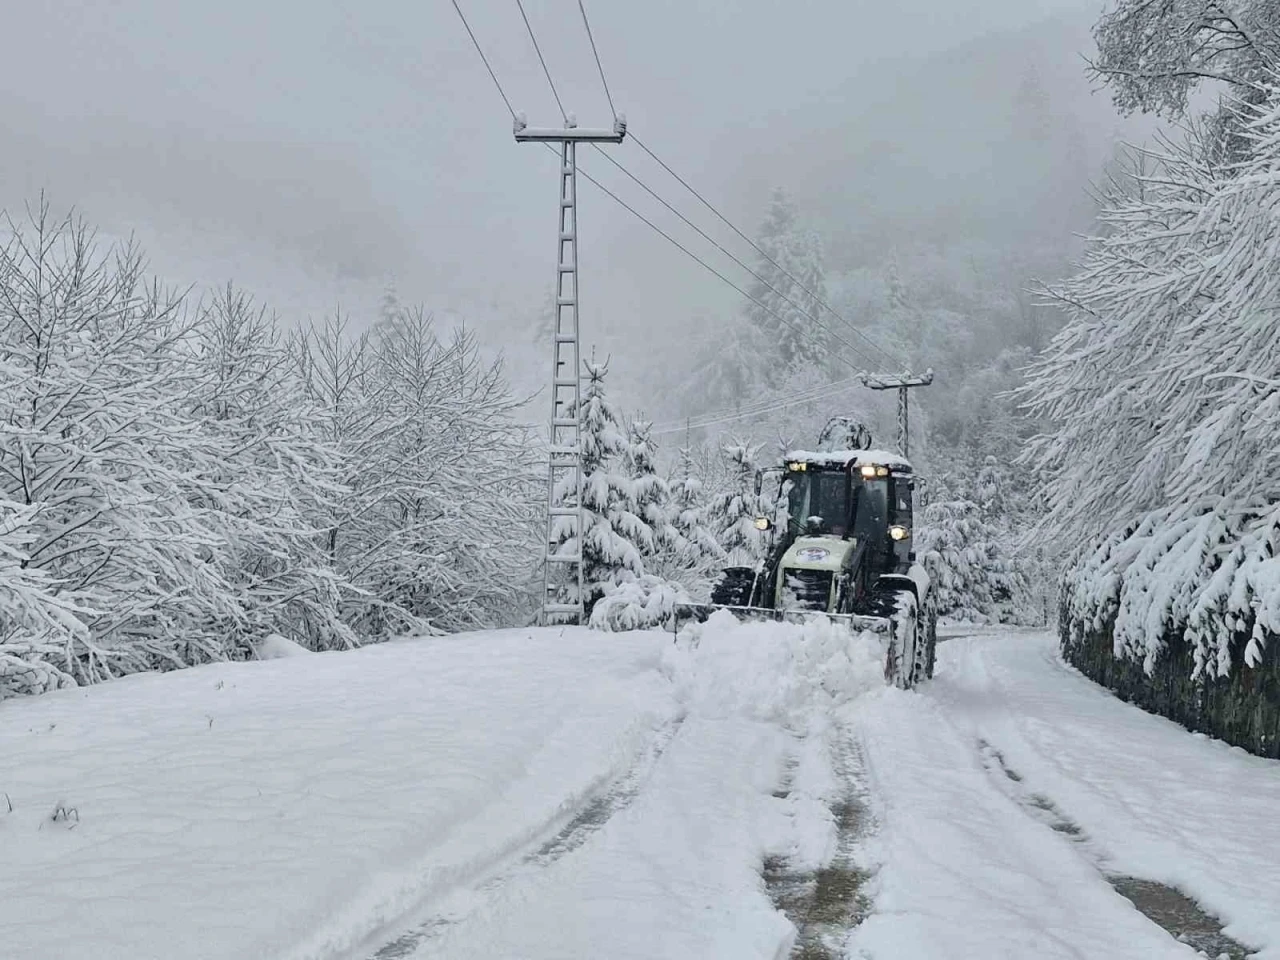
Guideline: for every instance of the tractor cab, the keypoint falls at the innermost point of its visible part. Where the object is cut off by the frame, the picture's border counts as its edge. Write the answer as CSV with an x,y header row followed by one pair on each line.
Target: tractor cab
x,y
864,496
844,521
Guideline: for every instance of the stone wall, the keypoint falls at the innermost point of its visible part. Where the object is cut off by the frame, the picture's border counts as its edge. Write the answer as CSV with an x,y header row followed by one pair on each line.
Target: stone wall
x,y
1242,709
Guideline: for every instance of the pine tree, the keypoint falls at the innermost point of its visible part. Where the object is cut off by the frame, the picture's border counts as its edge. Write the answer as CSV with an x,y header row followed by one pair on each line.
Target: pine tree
x,y
650,494
615,539
791,282
964,542
735,509
695,553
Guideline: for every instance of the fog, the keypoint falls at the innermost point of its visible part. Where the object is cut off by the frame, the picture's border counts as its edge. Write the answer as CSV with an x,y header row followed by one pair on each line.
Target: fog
x,y
315,152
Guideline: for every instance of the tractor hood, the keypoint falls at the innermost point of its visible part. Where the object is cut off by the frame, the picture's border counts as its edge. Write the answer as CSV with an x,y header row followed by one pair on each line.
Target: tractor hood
x,y
817,553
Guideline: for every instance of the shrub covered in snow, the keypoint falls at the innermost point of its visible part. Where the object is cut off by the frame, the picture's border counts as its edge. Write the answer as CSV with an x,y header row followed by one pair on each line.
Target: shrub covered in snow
x,y
637,603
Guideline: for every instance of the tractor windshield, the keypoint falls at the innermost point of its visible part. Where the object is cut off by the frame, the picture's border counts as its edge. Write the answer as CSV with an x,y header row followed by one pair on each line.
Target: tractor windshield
x,y
822,494
873,510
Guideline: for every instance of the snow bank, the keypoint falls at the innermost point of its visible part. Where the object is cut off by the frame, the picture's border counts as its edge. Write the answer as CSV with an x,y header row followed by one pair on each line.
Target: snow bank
x,y
288,808
275,647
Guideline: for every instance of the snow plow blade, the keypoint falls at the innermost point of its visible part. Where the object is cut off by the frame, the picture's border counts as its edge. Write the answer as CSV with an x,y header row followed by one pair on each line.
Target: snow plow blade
x,y
700,612
900,666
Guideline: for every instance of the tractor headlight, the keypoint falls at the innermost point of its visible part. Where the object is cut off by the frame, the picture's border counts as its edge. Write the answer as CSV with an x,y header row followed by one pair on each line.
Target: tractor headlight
x,y
899,532
763,523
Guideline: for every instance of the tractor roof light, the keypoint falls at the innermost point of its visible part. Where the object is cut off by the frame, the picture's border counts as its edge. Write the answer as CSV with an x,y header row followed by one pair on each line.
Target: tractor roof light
x,y
868,470
798,467
899,532
763,523
882,471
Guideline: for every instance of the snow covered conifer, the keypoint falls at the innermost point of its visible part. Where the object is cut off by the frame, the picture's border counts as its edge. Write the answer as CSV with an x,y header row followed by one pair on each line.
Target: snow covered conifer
x,y
791,282
734,511
965,546
615,538
696,552
650,492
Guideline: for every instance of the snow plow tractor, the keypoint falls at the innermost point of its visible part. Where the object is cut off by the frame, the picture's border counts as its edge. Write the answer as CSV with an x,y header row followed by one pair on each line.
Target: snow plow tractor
x,y
839,546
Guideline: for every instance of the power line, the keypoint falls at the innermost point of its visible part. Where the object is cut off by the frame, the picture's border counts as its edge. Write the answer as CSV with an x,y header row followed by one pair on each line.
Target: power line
x,y
728,414
484,59
728,253
706,203
538,50
587,23
626,206
697,259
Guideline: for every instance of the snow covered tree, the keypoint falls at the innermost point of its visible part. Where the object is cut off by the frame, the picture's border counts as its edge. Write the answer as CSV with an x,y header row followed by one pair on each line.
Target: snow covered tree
x,y
735,509
440,510
615,537
695,553
963,540
650,492
1154,55
791,281
255,422
95,439
1163,399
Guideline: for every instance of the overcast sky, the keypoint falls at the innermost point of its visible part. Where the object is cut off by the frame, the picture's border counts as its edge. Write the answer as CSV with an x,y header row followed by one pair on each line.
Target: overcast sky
x,y
311,149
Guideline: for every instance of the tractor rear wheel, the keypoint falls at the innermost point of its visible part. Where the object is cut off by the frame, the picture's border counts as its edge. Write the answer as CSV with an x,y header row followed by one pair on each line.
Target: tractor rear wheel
x,y
734,587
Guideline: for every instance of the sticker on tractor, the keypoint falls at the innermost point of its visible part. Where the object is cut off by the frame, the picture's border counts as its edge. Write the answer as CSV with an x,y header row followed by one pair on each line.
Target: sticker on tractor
x,y
812,554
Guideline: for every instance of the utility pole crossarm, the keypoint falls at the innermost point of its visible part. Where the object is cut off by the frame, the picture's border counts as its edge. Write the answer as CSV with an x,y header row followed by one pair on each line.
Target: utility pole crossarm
x,y
569,134
902,382
889,381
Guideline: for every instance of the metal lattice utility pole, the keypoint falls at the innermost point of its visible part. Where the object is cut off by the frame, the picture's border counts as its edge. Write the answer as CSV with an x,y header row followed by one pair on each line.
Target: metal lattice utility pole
x,y
902,383
564,467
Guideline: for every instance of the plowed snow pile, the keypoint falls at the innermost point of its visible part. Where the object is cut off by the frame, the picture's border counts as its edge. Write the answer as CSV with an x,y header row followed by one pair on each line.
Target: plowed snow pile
x,y
316,806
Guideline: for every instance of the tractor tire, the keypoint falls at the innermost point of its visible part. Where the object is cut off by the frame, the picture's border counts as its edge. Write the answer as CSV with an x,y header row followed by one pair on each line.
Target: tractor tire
x,y
931,639
911,654
734,587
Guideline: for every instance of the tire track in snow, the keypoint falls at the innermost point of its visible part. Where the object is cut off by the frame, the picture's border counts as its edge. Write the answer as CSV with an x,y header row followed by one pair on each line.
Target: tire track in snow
x,y
591,816
827,903
1169,908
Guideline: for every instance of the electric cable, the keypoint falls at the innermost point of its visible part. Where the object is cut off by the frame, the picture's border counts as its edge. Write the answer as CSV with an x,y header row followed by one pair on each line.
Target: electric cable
x,y
821,302
484,60
599,66
538,50
728,253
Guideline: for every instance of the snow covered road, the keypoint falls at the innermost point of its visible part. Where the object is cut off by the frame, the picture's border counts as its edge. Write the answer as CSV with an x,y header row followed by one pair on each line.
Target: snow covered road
x,y
564,794
1123,792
